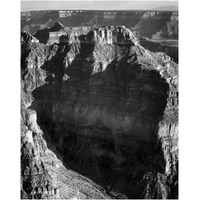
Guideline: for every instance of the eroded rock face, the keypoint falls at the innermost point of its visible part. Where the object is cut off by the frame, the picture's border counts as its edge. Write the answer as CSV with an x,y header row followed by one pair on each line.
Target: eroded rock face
x,y
42,173
158,25
107,106
169,47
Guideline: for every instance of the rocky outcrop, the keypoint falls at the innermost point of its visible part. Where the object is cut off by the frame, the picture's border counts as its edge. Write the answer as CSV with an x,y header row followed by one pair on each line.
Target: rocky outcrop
x,y
107,106
44,33
108,35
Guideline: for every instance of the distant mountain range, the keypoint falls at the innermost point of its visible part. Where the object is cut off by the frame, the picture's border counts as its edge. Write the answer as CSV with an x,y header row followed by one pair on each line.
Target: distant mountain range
x,y
167,8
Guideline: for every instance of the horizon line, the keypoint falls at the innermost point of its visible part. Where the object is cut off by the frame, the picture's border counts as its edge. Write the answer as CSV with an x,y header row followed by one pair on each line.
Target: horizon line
x,y
74,9
96,5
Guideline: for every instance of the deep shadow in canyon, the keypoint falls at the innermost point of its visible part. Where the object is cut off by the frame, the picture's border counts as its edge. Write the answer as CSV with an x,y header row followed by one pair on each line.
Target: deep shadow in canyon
x,y
84,118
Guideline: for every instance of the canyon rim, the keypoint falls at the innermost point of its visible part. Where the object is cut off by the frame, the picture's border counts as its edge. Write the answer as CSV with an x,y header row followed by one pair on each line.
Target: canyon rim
x,y
99,104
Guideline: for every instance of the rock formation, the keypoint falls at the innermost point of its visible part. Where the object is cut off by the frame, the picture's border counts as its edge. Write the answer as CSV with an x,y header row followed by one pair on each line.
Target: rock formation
x,y
96,102
169,47
160,24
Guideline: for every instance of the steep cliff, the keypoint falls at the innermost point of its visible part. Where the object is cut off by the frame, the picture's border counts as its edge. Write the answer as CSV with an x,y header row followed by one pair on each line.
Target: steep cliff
x,y
158,25
169,47
43,175
106,106
170,29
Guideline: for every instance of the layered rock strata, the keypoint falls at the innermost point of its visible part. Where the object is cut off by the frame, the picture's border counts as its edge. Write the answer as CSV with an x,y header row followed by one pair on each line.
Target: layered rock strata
x,y
169,47
157,24
43,175
107,106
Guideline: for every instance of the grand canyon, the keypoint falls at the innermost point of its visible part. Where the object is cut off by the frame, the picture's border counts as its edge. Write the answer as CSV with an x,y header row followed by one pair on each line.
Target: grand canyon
x,y
99,104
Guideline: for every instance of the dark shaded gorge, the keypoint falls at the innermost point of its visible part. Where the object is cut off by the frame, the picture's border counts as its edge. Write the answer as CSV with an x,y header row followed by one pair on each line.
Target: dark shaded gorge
x,y
104,125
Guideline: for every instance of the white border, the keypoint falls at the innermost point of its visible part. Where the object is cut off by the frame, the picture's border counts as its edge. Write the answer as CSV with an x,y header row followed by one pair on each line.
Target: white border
x,y
189,66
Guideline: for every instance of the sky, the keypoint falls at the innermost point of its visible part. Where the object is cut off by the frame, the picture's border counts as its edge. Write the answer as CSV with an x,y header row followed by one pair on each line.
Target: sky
x,y
94,5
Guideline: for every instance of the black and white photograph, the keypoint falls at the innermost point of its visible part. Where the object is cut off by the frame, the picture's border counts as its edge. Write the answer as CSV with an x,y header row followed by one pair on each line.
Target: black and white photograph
x,y
99,100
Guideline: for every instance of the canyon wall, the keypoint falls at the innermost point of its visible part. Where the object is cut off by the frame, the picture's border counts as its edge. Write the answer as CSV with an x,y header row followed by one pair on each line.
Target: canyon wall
x,y
169,47
156,24
107,107
43,175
